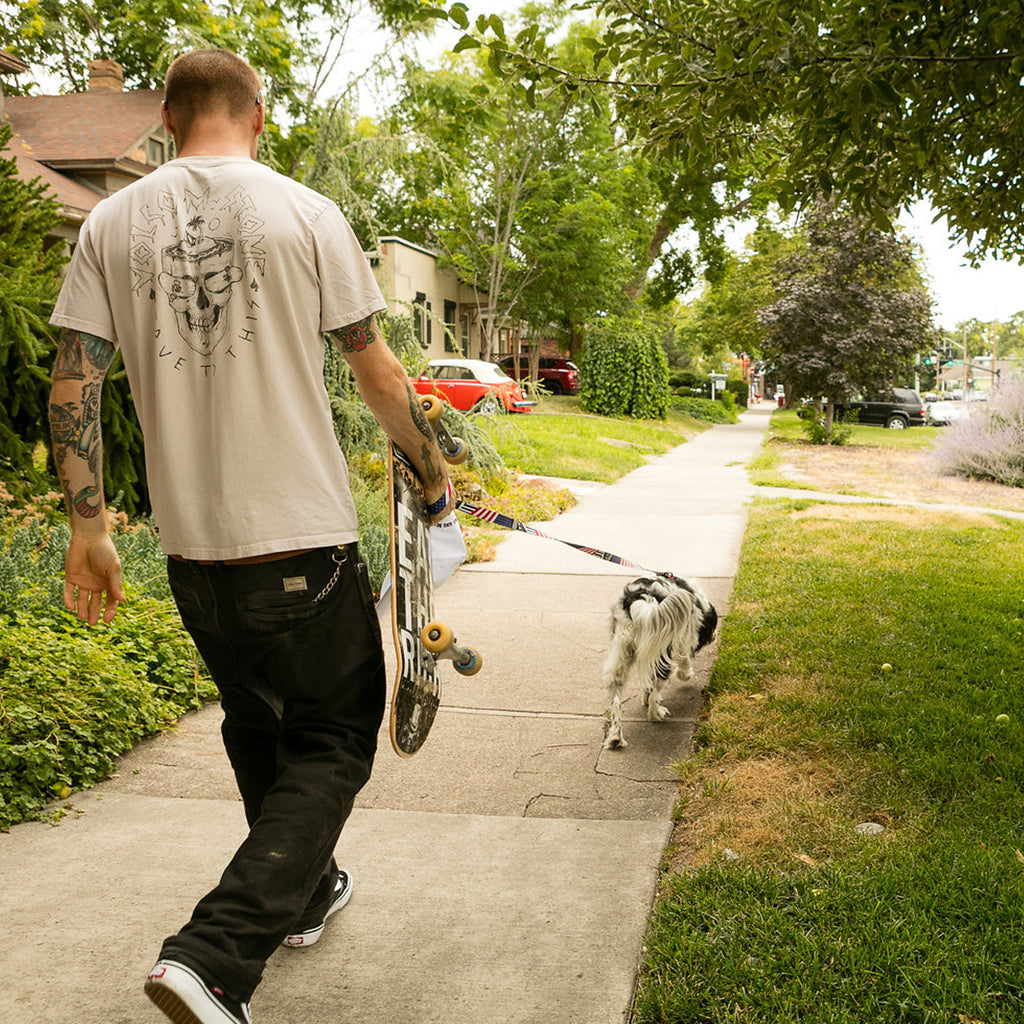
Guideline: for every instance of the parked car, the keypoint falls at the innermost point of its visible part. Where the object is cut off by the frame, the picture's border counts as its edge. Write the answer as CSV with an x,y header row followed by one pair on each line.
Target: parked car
x,y
900,408
559,376
942,413
472,384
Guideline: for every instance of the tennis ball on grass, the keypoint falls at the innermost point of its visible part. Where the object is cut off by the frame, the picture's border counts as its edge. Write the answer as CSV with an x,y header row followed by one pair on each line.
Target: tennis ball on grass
x,y
1002,718
887,667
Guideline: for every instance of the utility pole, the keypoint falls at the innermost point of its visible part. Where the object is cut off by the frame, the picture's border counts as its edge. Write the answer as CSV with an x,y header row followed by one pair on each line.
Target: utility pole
x,y
967,370
995,353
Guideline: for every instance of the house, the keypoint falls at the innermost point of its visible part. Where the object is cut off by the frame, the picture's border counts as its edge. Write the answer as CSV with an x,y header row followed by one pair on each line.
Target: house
x,y
85,145
448,313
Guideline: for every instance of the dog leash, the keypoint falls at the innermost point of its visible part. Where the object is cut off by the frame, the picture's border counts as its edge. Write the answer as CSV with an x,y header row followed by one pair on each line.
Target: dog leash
x,y
488,515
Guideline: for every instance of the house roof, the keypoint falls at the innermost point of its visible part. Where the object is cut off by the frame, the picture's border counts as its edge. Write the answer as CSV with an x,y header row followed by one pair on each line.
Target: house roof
x,y
11,64
77,200
85,128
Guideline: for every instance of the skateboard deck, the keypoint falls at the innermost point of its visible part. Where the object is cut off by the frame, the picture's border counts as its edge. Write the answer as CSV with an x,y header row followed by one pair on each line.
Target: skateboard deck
x,y
420,641
417,690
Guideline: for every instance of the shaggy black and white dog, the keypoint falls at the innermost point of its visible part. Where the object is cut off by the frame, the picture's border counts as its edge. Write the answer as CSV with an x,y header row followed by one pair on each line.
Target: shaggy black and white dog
x,y
658,622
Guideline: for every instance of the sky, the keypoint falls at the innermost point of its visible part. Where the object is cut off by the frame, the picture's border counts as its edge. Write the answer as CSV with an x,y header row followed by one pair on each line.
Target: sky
x,y
994,291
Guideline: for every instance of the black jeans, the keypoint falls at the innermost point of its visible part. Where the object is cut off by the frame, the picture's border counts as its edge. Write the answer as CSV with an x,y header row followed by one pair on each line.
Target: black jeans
x,y
295,649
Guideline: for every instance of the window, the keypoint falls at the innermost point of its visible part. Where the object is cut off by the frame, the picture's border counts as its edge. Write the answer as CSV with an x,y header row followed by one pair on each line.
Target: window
x,y
421,320
449,326
156,152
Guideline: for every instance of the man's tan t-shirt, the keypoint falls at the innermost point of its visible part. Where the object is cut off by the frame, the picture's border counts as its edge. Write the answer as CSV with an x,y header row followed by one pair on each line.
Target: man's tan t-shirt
x,y
217,277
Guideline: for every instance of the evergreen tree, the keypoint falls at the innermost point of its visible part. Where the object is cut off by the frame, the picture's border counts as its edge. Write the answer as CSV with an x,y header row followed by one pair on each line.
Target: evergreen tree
x,y
29,282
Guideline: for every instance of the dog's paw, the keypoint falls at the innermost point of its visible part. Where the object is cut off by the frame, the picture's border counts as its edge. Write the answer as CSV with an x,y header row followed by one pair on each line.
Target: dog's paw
x,y
614,743
658,713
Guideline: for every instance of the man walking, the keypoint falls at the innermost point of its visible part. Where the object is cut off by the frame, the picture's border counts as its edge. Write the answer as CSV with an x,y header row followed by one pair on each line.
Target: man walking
x,y
217,279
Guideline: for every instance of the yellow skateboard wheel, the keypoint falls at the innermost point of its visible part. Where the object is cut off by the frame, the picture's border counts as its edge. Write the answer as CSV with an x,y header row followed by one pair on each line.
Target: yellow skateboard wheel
x,y
471,666
459,455
436,637
432,406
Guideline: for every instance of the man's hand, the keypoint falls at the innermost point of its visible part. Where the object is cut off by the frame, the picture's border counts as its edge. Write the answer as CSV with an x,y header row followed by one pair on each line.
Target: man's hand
x,y
440,501
92,578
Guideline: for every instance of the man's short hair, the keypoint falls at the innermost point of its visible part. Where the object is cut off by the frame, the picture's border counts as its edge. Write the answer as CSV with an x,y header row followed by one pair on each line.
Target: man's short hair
x,y
204,82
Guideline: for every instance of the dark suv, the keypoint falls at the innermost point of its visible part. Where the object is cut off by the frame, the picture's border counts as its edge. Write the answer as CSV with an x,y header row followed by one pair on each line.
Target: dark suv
x,y
559,376
900,408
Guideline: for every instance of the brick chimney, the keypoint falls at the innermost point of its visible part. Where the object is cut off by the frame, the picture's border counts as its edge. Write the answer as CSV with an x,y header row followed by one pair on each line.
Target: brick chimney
x,y
105,76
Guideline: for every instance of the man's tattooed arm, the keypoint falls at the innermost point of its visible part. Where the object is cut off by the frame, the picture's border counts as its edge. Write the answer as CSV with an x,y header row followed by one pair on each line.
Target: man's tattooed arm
x,y
81,364
386,390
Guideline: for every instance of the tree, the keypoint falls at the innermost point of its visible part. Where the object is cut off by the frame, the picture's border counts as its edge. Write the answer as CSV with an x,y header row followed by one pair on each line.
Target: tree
x,y
29,282
874,103
724,318
296,46
528,198
851,315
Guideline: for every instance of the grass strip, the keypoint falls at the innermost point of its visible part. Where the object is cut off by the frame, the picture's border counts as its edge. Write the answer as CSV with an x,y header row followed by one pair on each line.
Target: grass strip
x,y
869,674
576,446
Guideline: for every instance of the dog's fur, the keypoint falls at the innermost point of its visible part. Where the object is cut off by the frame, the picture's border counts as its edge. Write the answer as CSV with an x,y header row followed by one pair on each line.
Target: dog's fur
x,y
658,622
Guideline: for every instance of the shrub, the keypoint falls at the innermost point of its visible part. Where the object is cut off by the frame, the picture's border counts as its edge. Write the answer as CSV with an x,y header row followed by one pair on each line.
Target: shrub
x,y
814,427
704,409
623,369
989,444
73,699
740,391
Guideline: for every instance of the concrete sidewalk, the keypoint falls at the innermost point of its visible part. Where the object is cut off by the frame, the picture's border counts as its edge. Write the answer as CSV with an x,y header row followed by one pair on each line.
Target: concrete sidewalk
x,y
504,874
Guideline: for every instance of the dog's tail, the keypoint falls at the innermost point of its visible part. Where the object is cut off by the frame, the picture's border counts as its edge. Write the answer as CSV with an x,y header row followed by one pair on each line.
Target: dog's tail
x,y
655,625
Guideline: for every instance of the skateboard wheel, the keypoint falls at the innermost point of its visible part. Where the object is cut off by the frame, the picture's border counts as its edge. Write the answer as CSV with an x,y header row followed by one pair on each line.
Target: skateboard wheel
x,y
458,455
471,665
432,406
436,637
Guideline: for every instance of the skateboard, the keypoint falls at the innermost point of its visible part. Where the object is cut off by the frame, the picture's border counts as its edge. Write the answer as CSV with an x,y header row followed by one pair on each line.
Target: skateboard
x,y
420,640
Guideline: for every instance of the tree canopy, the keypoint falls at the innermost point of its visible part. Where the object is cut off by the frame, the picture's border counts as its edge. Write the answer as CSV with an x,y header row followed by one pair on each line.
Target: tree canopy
x,y
874,102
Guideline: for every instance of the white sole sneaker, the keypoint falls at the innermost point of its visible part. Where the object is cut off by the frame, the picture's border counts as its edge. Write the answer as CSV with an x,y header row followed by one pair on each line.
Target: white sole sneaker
x,y
342,894
186,999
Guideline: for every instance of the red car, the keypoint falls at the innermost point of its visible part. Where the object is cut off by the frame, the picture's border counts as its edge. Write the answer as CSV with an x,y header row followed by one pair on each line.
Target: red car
x,y
559,376
467,384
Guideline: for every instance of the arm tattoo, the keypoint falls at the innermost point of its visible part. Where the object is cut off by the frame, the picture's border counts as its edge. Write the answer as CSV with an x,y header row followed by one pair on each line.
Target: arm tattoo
x,y
429,451
355,337
81,355
81,364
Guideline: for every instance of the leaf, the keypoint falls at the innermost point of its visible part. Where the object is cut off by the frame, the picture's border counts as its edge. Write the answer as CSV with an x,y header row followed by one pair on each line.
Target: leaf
x,y
466,43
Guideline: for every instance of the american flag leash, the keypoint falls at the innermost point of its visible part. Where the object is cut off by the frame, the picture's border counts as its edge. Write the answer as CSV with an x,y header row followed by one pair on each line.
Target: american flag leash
x,y
488,515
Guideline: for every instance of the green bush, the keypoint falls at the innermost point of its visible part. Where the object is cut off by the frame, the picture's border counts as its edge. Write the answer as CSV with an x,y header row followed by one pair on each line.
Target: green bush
x,y
623,369
689,379
72,699
814,428
739,390
704,409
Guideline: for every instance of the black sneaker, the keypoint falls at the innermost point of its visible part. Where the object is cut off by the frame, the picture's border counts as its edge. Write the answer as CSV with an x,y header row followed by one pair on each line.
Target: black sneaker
x,y
342,894
184,997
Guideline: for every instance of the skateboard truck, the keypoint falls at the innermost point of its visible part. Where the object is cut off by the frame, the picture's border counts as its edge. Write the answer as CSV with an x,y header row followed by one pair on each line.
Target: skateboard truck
x,y
439,640
453,448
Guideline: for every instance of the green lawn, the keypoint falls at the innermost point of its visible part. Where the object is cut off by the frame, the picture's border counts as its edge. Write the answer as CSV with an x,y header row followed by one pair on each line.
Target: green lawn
x,y
558,440
866,666
787,426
